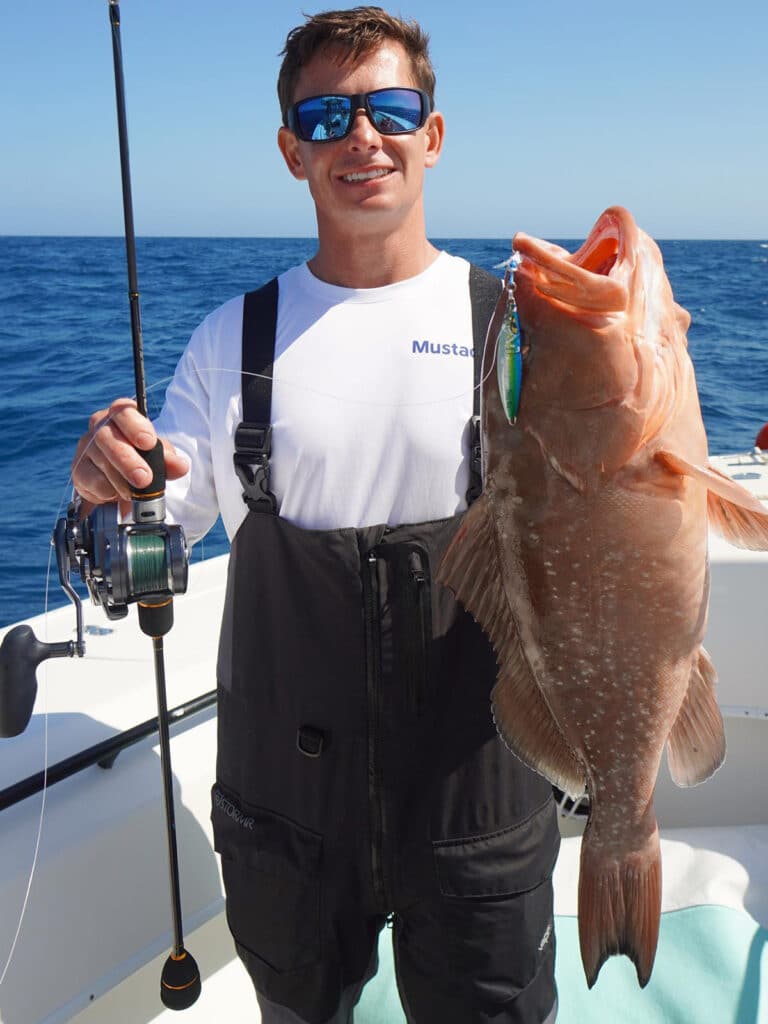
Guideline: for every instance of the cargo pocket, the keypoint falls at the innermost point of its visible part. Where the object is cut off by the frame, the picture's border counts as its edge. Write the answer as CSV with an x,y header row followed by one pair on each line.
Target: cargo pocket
x,y
504,863
271,869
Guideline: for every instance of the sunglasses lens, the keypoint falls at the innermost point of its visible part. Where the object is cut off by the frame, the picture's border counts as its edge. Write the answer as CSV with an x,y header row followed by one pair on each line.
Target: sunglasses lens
x,y
322,118
396,110
392,111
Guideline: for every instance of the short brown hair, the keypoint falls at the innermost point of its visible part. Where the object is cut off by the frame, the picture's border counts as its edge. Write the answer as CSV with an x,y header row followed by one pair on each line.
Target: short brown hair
x,y
356,31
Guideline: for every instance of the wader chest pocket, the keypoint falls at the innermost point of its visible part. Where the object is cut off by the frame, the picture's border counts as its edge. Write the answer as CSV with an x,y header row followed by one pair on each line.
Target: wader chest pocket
x,y
271,869
503,863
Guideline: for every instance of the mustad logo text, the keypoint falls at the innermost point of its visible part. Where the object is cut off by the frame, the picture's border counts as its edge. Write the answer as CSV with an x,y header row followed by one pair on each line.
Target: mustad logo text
x,y
225,805
435,348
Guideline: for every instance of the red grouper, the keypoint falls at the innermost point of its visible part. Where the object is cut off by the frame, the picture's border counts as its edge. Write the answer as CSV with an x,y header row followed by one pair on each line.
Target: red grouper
x,y
585,558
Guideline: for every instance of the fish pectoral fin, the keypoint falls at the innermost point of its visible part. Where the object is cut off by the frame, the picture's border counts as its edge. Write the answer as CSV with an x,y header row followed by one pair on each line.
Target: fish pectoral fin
x,y
696,744
735,513
470,568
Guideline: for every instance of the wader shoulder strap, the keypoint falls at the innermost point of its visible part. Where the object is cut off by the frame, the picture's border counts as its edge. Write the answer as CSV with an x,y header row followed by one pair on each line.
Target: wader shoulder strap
x,y
253,437
484,290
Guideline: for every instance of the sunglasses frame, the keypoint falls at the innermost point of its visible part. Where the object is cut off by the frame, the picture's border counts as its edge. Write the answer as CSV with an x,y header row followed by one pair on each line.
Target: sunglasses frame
x,y
359,101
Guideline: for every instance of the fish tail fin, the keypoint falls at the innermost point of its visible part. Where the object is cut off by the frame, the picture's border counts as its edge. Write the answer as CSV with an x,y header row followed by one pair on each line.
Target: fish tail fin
x,y
619,905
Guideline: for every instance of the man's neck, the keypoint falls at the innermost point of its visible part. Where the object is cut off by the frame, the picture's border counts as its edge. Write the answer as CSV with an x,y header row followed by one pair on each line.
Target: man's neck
x,y
371,260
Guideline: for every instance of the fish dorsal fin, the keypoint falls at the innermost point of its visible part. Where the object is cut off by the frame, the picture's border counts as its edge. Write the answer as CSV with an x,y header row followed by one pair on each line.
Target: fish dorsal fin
x,y
696,745
470,568
735,513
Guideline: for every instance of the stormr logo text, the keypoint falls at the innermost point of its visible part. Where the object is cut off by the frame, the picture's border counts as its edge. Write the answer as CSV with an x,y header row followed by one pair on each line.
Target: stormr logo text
x,y
225,805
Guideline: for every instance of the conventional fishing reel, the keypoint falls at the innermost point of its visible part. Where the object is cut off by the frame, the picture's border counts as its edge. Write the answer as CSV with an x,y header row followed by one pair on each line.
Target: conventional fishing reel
x,y
121,563
145,561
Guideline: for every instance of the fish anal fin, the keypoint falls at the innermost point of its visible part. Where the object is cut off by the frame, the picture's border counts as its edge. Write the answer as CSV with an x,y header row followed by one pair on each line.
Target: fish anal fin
x,y
619,905
735,513
470,568
696,744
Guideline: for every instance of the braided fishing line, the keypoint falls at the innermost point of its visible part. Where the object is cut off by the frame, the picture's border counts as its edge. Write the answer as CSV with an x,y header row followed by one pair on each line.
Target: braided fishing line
x,y
147,564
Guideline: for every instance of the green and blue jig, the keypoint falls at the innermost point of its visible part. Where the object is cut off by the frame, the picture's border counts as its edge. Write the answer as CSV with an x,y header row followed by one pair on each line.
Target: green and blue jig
x,y
509,354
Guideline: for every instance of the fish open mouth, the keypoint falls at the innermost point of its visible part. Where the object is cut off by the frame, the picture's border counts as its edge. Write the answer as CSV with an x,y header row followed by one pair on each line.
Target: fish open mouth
x,y
594,278
602,258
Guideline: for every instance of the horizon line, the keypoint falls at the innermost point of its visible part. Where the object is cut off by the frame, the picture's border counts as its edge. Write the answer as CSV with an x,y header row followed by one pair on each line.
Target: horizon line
x,y
313,238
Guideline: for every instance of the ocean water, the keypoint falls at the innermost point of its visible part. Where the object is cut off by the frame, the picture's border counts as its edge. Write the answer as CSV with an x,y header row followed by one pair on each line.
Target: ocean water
x,y
65,351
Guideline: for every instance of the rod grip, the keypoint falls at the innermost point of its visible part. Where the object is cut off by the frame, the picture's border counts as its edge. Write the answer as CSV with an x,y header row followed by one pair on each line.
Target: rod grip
x,y
155,459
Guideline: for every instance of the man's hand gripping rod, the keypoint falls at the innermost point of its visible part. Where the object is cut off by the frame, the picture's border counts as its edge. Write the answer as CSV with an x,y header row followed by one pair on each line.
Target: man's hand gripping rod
x,y
145,561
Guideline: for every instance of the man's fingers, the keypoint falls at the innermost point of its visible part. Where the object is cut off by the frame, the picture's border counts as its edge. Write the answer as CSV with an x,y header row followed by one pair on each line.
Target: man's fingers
x,y
124,417
116,434
95,483
107,464
118,459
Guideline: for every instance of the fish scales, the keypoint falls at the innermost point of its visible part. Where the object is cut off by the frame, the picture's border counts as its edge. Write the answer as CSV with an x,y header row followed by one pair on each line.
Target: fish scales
x,y
585,559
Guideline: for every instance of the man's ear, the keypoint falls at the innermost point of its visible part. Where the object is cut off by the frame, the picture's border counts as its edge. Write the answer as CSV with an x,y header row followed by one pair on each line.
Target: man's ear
x,y
435,136
288,145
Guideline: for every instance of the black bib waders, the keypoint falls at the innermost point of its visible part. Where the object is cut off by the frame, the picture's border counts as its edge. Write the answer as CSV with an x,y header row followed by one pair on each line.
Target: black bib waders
x,y
360,777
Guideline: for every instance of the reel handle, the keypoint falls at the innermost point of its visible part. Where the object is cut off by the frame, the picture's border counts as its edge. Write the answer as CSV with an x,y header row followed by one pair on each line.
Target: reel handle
x,y
20,654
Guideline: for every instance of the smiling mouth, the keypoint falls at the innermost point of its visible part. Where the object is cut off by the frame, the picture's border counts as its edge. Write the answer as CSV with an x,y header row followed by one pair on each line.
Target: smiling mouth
x,y
354,176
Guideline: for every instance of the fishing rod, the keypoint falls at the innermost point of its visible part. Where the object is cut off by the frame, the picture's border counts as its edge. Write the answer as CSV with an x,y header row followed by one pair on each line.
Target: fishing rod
x,y
145,561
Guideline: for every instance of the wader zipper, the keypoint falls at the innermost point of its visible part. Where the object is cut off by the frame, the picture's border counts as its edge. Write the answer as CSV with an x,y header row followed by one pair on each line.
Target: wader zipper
x,y
373,686
422,627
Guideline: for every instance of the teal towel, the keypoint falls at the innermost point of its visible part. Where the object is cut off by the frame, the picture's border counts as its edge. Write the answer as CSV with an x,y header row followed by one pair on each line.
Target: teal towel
x,y
711,968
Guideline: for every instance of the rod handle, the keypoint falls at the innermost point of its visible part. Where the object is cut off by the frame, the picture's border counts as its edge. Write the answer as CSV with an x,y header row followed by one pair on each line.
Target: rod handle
x,y
180,981
155,459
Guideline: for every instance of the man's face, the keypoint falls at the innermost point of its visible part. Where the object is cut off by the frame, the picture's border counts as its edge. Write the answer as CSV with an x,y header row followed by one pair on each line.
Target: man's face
x,y
366,179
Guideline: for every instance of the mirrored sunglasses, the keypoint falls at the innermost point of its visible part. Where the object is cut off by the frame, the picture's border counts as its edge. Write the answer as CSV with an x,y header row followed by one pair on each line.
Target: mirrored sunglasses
x,y
329,118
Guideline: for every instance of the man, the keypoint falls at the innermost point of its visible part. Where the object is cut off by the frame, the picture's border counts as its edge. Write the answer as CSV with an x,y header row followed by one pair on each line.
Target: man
x,y
355,739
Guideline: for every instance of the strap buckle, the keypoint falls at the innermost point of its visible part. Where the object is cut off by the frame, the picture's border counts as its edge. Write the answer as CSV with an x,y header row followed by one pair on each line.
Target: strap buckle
x,y
253,447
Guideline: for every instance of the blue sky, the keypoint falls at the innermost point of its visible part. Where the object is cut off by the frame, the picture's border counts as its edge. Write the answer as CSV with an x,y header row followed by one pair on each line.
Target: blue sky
x,y
554,111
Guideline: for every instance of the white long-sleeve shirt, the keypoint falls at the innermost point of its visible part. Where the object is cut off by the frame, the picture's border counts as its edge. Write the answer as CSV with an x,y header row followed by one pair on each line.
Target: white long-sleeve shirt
x,y
371,399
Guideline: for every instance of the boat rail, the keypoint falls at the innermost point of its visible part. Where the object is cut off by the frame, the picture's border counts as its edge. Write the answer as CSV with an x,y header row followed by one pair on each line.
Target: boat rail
x,y
103,754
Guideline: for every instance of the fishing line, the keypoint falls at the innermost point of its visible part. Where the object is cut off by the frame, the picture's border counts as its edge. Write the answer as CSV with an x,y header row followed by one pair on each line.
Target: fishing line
x,y
43,690
350,400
